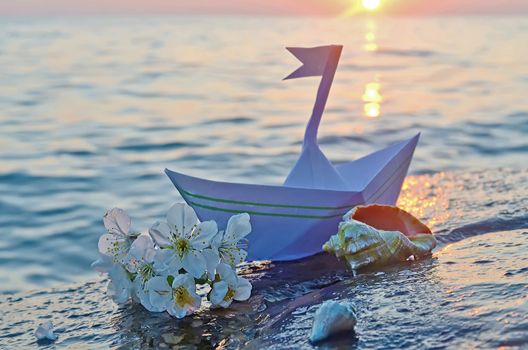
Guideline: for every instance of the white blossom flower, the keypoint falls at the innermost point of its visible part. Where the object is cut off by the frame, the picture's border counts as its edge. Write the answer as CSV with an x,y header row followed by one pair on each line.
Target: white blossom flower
x,y
159,270
228,242
118,239
230,287
140,257
140,260
119,288
179,299
103,264
182,239
45,331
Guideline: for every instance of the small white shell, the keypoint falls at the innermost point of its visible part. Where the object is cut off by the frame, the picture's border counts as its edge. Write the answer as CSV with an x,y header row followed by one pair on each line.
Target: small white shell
x,y
45,331
333,317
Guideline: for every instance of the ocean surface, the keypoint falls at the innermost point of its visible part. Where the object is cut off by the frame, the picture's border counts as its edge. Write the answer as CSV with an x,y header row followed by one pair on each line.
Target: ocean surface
x,y
93,109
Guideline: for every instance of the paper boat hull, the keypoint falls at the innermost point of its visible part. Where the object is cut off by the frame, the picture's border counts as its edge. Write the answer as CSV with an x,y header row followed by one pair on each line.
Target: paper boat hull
x,y
290,223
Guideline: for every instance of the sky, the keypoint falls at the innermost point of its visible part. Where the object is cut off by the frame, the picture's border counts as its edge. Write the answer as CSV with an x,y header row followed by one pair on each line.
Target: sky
x,y
258,7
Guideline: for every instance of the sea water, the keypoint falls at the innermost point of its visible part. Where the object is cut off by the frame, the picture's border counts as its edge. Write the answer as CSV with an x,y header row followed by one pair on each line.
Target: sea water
x,y
93,109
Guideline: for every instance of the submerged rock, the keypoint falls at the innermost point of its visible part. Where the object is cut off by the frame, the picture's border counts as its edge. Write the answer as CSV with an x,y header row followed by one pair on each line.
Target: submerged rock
x,y
331,318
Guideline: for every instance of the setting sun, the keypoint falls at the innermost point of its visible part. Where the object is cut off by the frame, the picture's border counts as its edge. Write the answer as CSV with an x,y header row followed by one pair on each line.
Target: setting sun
x,y
371,5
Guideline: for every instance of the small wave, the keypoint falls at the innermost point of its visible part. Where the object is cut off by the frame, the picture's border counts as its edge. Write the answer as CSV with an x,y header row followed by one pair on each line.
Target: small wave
x,y
28,103
483,227
159,95
331,140
153,147
69,86
494,150
281,126
406,53
160,128
60,210
76,153
371,67
24,178
234,120
523,270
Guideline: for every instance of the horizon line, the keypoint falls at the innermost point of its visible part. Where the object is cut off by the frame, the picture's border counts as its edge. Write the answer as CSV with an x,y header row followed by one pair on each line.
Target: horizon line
x,y
250,14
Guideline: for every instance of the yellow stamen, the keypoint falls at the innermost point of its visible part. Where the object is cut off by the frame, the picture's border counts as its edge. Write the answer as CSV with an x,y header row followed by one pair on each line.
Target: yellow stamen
x,y
230,294
182,297
146,271
182,247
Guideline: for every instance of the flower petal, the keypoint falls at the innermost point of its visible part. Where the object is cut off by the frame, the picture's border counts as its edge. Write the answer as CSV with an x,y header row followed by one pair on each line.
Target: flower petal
x,y
141,246
205,232
103,264
182,218
238,227
197,300
227,274
160,233
176,311
233,255
106,244
189,283
114,246
117,221
194,263
159,292
166,262
243,289
141,292
183,279
217,239
218,293
119,287
141,252
212,259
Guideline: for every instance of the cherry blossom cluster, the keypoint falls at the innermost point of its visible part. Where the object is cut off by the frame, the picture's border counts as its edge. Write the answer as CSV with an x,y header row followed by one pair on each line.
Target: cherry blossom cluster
x,y
161,269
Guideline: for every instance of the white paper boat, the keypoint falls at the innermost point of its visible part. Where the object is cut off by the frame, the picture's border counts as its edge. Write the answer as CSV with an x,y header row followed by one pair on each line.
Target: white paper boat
x,y
294,220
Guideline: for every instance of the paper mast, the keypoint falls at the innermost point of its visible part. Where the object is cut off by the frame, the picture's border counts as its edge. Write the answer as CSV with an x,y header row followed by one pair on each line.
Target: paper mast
x,y
313,169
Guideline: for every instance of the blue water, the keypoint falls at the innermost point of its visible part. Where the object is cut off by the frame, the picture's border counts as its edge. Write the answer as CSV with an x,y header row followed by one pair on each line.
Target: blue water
x,y
93,109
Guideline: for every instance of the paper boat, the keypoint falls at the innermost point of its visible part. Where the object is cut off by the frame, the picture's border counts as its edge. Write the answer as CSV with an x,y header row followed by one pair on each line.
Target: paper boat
x,y
294,220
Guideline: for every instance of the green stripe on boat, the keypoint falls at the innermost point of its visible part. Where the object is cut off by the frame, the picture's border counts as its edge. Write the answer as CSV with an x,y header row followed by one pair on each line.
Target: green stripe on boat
x,y
268,214
230,201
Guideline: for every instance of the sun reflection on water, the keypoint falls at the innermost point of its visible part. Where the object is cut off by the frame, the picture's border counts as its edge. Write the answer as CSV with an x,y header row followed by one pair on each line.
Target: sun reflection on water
x,y
370,37
423,197
372,100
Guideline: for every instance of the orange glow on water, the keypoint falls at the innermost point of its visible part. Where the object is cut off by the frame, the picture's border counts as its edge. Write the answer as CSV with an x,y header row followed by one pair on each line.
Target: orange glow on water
x,y
427,198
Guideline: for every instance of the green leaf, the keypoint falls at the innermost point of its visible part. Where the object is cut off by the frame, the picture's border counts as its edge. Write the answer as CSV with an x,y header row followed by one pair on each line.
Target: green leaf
x,y
170,279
